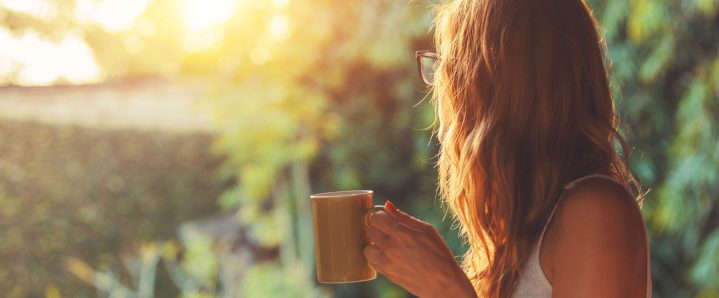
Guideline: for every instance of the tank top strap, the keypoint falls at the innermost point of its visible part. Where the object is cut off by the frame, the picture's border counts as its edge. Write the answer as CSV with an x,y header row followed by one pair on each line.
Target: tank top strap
x,y
571,184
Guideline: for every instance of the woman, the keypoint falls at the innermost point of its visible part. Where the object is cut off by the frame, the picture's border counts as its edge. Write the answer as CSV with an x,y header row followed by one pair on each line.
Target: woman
x,y
527,163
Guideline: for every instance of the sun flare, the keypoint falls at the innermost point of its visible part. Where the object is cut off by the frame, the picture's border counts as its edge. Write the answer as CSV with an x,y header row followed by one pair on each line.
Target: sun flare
x,y
200,15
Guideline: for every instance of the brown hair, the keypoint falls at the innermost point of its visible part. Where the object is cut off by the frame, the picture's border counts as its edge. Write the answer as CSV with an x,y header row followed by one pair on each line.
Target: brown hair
x,y
524,106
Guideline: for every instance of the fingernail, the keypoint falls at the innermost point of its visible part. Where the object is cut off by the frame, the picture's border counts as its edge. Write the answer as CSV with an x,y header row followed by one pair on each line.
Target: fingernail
x,y
390,206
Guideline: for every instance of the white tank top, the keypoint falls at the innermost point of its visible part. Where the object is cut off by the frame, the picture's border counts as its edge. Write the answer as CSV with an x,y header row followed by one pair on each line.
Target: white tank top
x,y
532,282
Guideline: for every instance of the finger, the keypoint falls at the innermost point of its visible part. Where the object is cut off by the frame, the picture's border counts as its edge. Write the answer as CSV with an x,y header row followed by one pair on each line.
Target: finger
x,y
405,218
376,237
383,222
404,229
375,257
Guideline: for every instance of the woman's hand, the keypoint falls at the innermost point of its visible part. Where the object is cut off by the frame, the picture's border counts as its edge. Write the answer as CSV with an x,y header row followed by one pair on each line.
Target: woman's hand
x,y
411,254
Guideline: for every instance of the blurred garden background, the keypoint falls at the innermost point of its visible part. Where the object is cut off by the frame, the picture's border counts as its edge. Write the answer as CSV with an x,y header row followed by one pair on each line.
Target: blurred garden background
x,y
167,148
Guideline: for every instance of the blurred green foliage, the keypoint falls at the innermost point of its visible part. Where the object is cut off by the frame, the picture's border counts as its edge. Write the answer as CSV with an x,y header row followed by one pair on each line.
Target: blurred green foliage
x,y
96,195
335,103
665,66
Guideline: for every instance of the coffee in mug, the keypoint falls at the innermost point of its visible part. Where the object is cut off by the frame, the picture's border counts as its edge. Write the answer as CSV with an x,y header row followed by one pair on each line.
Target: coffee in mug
x,y
340,225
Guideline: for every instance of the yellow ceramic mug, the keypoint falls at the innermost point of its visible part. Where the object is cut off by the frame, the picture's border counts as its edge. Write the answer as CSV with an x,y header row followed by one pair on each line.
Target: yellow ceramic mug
x,y
340,221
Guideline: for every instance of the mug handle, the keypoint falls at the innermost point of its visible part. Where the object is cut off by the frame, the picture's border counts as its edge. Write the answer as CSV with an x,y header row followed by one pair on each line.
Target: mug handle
x,y
372,211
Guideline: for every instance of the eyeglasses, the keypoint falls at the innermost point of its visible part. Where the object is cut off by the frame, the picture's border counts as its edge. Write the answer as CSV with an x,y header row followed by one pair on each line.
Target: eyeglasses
x,y
427,62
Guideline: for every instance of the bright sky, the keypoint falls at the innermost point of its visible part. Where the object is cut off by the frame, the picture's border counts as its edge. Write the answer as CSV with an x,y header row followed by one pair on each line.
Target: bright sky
x,y
36,61
200,15
37,8
30,59
113,15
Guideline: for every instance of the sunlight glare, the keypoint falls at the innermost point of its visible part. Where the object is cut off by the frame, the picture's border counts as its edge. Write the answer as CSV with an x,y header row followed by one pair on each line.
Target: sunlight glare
x,y
200,15
281,3
279,26
113,15
37,8
28,57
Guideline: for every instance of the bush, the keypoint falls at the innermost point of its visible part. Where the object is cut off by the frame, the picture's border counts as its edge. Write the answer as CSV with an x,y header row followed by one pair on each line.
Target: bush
x,y
95,195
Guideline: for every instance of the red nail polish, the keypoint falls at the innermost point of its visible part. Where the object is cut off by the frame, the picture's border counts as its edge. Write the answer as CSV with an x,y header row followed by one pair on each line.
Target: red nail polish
x,y
390,206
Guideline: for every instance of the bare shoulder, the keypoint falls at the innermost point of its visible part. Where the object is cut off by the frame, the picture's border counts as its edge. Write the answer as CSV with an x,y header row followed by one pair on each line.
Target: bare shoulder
x,y
599,242
600,201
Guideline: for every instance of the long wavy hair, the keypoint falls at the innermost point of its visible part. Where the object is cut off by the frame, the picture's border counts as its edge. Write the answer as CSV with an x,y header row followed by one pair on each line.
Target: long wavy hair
x,y
523,106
